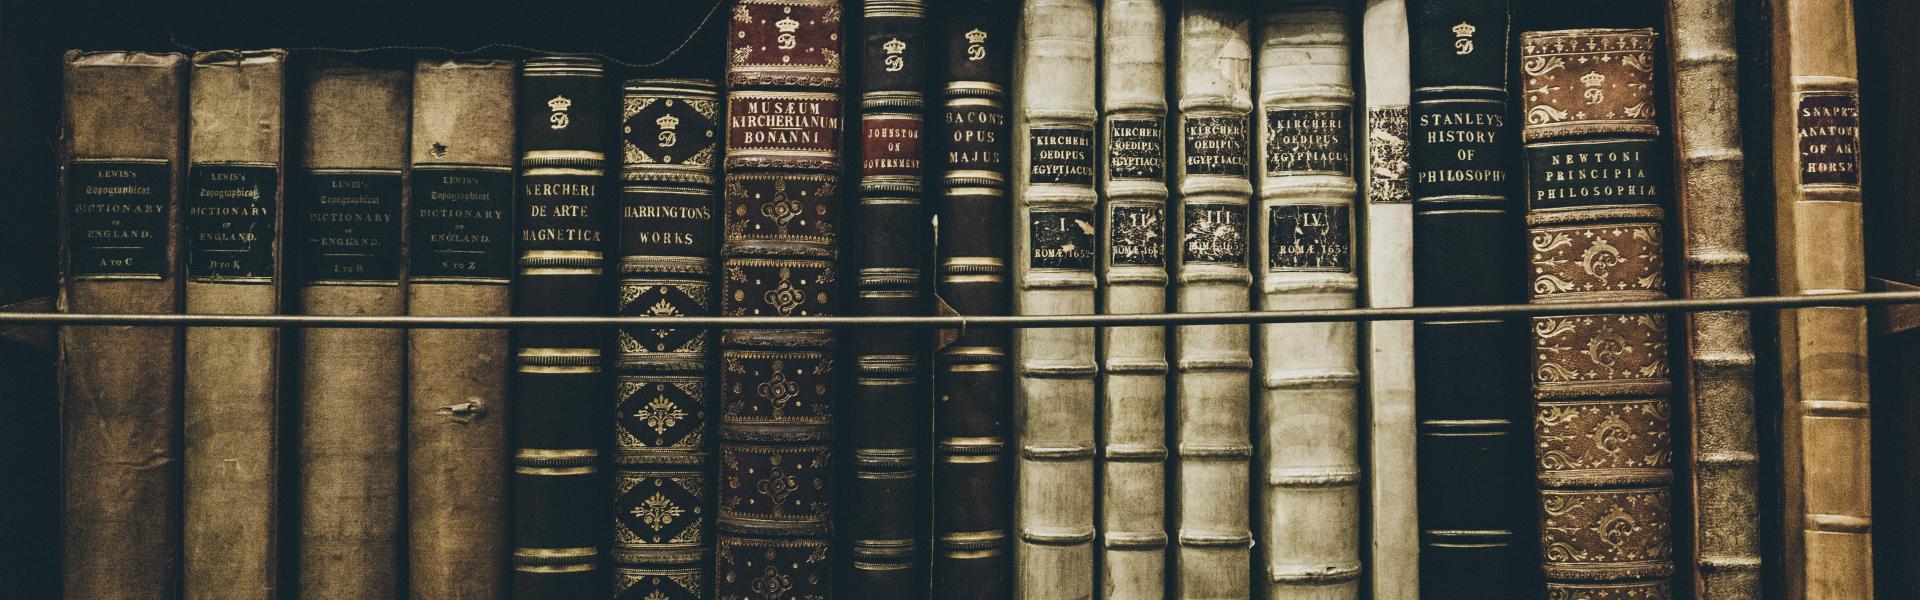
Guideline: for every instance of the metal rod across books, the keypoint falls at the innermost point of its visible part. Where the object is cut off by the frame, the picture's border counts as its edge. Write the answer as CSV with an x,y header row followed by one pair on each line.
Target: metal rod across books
x,y
956,322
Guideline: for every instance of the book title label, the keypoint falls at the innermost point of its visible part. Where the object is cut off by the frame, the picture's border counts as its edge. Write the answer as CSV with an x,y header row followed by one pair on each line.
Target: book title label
x,y
1310,140
351,222
1387,163
1061,155
1216,145
1136,149
890,145
561,213
667,222
974,127
1564,175
1310,237
231,221
1460,148
1215,233
1828,124
783,129
117,218
461,229
669,131
1138,236
1061,239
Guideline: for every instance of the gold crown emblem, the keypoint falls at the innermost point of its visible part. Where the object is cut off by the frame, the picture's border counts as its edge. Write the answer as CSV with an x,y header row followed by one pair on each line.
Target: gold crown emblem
x,y
1593,79
1464,29
667,121
976,36
894,46
559,103
787,25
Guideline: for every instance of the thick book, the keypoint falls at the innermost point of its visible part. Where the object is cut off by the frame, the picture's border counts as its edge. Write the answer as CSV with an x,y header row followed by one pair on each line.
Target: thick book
x,y
973,386
1213,364
351,203
1055,234
1386,269
1824,429
1474,479
1303,249
1133,279
668,244
234,213
120,171
778,258
564,114
460,263
1596,195
1722,473
887,418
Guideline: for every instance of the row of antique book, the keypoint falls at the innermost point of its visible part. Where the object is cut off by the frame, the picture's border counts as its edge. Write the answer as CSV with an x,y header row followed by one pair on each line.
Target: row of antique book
x,y
1083,157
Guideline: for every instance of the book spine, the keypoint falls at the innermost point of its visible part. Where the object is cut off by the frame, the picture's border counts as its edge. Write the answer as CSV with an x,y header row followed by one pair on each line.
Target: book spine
x,y
1474,480
1825,450
1722,438
1133,279
460,241
972,472
888,419
231,407
120,175
352,227
1054,237
668,242
1309,409
778,259
1601,426
560,493
1386,218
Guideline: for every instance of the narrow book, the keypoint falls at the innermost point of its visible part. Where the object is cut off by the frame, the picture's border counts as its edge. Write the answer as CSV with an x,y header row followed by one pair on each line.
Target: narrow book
x,y
1595,207
1824,431
1309,410
236,177
460,263
1133,279
122,118
560,492
887,419
1213,373
351,204
668,243
778,258
1055,234
973,388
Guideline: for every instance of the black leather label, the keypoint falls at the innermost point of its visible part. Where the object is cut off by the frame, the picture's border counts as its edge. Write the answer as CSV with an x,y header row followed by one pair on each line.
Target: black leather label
x,y
1137,149
974,127
1310,140
1460,148
1828,124
1060,155
461,227
667,222
1387,154
1061,239
231,219
117,218
1215,233
1138,236
351,227
561,212
1216,145
1309,237
1562,175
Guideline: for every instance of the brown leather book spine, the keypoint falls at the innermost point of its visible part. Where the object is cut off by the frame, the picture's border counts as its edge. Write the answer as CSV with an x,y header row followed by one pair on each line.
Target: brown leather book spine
x,y
351,213
120,174
232,405
460,261
1595,204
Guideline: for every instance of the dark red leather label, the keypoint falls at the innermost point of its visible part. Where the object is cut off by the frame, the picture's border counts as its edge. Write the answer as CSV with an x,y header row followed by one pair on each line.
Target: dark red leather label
x,y
890,145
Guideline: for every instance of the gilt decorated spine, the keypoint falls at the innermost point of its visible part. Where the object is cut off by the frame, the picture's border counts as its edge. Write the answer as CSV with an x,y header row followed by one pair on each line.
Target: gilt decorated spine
x,y
1595,194
1055,237
1309,410
778,388
122,119
1133,278
232,402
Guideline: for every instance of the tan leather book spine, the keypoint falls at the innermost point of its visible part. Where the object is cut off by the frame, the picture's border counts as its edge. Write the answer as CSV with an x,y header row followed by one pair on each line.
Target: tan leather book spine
x,y
460,243
119,412
1826,502
350,211
235,184
1723,471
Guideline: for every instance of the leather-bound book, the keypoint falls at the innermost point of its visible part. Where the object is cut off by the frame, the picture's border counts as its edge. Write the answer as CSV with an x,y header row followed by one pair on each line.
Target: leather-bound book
x,y
972,470
1824,429
778,387
887,419
1722,476
121,168
1470,401
560,492
234,210
1212,385
350,214
1595,191
1133,278
1386,223
1309,410
460,263
668,243
1055,234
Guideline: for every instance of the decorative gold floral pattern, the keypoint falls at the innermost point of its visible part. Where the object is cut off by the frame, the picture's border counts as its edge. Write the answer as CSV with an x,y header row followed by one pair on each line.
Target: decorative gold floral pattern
x,y
1599,348
1612,258
1576,436
1585,81
1625,529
